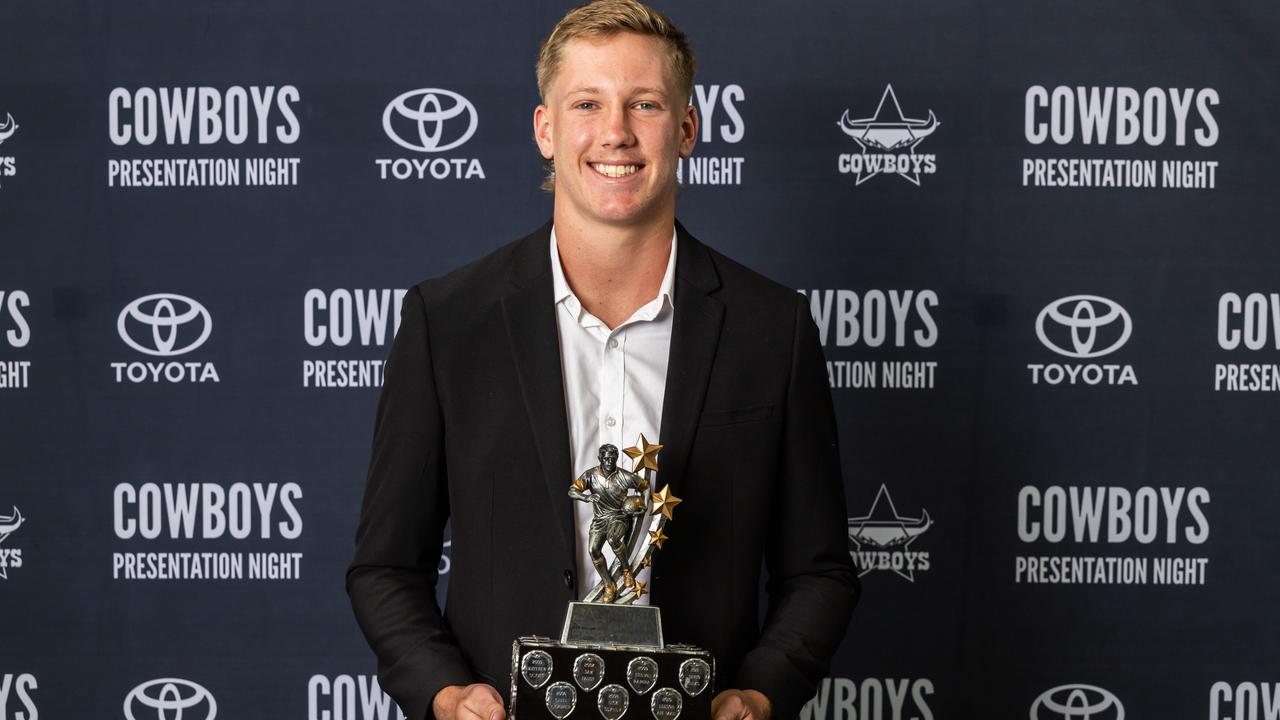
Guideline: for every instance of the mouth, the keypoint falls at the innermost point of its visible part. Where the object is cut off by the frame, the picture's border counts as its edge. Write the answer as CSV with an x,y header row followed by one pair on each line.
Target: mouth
x,y
616,171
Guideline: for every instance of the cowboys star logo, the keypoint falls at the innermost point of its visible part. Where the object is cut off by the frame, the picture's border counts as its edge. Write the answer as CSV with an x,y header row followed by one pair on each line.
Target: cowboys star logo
x,y
883,538
888,141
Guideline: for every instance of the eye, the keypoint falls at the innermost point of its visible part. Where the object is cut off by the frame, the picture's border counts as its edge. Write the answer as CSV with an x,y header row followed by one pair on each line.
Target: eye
x,y
647,105
584,105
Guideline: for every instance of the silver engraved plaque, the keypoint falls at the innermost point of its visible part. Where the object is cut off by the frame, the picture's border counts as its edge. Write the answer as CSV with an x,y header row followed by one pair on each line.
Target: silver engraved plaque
x,y
613,701
694,675
561,700
535,668
588,671
642,673
665,704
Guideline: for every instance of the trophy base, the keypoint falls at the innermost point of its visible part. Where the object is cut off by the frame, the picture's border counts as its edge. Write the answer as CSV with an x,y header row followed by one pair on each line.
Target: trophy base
x,y
610,664
603,624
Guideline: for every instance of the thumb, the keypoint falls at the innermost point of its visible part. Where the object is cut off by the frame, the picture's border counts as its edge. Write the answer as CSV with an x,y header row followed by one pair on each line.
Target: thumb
x,y
494,709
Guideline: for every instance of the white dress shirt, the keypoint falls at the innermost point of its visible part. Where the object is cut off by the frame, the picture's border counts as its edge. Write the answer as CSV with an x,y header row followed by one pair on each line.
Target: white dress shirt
x,y
614,381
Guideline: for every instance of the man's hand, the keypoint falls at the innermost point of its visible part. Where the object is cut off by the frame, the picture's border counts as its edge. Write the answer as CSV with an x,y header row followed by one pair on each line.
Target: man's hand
x,y
468,702
741,705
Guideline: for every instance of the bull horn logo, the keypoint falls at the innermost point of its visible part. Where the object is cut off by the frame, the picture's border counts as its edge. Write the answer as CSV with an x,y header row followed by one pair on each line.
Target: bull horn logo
x,y
888,133
10,523
888,139
7,526
8,127
884,528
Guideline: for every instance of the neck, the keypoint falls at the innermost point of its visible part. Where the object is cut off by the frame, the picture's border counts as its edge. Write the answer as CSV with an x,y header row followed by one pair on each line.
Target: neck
x,y
613,270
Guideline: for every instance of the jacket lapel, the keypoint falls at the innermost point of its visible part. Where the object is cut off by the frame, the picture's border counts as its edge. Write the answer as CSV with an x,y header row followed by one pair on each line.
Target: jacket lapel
x,y
535,347
695,333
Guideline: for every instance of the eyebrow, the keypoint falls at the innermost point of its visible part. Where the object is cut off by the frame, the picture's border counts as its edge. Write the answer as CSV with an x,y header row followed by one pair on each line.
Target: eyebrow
x,y
597,91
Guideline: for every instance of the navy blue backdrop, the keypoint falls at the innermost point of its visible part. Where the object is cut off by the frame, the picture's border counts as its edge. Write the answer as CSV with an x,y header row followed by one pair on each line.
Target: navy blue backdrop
x,y
1038,240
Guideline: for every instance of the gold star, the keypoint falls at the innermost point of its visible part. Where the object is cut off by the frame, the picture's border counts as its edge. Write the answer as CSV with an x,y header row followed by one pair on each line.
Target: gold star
x,y
664,502
657,537
648,560
639,589
644,457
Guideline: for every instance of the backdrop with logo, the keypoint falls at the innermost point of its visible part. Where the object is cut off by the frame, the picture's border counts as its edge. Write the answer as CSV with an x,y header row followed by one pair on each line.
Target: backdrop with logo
x,y
1038,240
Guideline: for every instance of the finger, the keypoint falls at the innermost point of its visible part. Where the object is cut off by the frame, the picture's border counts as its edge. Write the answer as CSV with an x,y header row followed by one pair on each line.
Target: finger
x,y
483,702
480,709
731,708
488,692
480,702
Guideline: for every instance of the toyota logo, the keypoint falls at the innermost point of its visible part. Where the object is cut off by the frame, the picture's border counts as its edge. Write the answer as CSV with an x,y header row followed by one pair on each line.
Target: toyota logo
x,y
429,112
1077,702
168,699
164,324
446,559
1085,318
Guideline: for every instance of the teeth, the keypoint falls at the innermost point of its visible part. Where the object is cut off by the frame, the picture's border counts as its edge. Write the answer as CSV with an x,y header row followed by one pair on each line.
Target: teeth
x,y
616,171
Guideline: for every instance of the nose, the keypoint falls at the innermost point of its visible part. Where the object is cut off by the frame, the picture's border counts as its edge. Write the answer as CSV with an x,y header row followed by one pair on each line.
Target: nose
x,y
617,129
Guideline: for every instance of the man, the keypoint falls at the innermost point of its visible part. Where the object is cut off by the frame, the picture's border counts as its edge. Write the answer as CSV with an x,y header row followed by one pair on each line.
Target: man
x,y
506,374
614,512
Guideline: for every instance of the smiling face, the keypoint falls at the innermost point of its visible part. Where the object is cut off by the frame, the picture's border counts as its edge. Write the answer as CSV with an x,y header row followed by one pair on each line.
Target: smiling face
x,y
615,125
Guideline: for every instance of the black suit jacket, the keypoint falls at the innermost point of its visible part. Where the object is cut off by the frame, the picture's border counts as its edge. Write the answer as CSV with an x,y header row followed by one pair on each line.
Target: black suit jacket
x,y
471,427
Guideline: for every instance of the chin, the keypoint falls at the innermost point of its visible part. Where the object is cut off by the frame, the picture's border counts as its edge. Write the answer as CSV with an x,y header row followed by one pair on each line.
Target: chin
x,y
624,213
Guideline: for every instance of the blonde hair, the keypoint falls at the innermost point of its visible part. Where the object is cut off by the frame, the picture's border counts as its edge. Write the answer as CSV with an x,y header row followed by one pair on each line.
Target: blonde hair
x,y
602,18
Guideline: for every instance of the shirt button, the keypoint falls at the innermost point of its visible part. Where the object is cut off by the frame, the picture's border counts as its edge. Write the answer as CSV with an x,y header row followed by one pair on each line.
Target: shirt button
x,y
613,343
568,579
610,421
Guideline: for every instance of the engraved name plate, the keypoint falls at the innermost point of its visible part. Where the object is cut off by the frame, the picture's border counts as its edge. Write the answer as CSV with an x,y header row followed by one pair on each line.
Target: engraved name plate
x,y
588,671
613,701
665,704
535,668
694,675
561,699
642,673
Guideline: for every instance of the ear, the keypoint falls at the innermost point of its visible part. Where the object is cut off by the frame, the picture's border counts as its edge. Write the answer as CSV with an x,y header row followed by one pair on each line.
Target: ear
x,y
688,130
542,131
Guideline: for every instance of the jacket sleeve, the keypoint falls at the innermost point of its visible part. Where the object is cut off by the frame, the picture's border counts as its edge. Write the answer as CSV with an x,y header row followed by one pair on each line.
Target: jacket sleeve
x,y
813,584
392,579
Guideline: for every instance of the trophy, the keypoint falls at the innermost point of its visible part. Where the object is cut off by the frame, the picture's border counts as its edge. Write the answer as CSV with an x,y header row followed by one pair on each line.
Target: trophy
x,y
611,661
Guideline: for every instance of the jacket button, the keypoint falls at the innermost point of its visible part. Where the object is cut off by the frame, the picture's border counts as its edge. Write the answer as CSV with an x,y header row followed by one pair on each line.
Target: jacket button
x,y
568,579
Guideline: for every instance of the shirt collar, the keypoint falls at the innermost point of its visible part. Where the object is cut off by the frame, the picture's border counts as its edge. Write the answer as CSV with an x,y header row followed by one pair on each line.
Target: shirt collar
x,y
666,291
